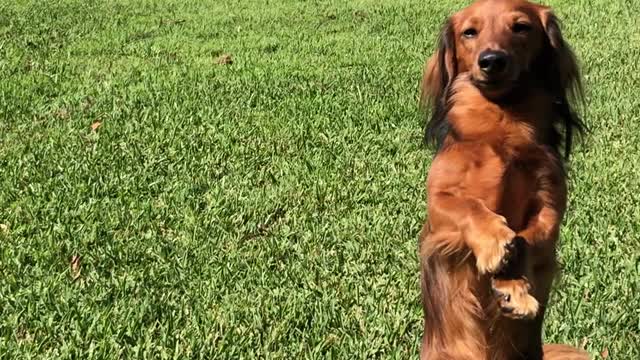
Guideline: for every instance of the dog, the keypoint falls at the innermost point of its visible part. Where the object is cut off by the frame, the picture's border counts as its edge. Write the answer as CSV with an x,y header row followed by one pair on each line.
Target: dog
x,y
502,88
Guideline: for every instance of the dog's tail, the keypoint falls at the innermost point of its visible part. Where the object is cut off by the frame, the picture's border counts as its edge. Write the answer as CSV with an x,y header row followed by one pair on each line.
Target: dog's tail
x,y
564,352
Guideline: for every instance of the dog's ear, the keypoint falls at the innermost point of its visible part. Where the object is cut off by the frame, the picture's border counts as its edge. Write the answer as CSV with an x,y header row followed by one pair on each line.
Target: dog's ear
x,y
440,69
562,64
439,73
561,76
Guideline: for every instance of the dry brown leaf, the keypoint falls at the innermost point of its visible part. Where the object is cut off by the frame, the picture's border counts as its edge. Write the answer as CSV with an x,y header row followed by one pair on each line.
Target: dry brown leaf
x,y
605,353
75,267
224,59
95,126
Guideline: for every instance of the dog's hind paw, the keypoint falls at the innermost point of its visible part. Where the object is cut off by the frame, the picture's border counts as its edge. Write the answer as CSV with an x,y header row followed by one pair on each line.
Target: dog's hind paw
x,y
514,299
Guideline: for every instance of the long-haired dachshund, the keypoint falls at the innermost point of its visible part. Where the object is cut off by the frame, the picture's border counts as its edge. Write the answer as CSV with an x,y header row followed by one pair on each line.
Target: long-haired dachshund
x,y
500,87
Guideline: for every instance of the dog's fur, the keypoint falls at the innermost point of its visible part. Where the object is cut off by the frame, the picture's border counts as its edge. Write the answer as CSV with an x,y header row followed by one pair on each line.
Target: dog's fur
x,y
497,186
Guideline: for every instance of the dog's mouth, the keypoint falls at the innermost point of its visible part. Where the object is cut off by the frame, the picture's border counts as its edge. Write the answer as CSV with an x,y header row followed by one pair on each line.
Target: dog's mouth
x,y
493,87
491,84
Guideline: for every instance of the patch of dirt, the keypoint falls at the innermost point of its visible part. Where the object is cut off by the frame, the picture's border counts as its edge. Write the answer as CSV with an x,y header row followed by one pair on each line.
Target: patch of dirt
x,y
224,59
264,228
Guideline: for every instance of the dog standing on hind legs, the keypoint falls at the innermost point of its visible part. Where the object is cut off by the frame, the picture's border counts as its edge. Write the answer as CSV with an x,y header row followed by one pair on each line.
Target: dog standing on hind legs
x,y
500,87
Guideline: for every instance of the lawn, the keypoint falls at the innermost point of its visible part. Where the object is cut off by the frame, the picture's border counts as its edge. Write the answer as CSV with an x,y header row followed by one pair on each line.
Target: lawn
x,y
245,179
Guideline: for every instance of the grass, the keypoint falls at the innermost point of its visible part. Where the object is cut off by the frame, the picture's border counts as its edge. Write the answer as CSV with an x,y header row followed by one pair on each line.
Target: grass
x,y
267,208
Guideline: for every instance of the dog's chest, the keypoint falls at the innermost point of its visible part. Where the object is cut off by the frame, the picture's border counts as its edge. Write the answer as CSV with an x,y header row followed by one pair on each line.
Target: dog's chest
x,y
506,184
518,192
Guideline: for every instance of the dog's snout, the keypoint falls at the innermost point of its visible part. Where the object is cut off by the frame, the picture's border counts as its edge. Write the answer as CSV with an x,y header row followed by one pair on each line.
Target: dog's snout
x,y
493,62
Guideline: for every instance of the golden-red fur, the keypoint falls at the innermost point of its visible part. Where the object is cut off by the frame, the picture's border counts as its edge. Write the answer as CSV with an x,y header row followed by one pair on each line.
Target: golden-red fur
x,y
497,186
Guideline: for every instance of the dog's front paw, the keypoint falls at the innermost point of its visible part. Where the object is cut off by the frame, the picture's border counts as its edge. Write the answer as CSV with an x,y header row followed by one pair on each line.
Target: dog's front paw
x,y
495,246
514,299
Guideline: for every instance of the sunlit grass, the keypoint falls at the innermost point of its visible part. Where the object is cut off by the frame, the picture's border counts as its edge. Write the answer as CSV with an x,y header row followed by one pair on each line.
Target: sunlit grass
x,y
268,207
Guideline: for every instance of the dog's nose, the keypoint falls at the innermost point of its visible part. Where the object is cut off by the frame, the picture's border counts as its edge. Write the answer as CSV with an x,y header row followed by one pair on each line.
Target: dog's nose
x,y
492,62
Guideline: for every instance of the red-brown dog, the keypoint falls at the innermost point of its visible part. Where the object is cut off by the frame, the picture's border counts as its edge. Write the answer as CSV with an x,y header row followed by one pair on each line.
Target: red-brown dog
x,y
499,87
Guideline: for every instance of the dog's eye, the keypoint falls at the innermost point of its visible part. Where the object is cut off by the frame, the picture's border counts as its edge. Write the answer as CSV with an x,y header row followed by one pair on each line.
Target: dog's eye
x,y
521,28
470,33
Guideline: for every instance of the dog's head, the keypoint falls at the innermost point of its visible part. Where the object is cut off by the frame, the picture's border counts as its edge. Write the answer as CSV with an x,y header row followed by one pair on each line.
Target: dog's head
x,y
500,44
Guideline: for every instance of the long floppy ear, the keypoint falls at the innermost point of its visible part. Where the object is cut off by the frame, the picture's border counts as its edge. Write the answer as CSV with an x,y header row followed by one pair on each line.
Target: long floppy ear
x,y
563,61
562,79
439,72
440,69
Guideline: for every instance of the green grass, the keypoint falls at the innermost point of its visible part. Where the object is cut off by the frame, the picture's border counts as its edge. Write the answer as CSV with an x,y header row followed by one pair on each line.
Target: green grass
x,y
267,208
